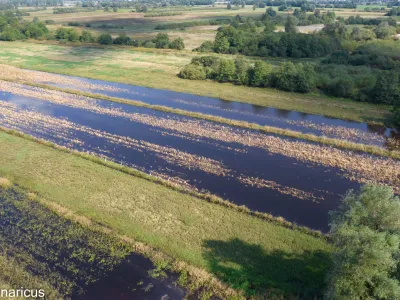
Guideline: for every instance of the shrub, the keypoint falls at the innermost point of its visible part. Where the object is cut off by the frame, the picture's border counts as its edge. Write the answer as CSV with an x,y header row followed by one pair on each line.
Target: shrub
x,y
384,31
396,115
105,39
294,78
227,70
68,34
193,72
387,88
342,87
87,37
161,40
177,44
123,39
260,74
242,72
75,24
206,46
149,44
11,34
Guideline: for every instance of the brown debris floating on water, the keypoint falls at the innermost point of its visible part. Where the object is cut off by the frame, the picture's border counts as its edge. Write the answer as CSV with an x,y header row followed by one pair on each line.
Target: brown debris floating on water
x,y
13,73
10,116
355,166
14,118
338,132
269,184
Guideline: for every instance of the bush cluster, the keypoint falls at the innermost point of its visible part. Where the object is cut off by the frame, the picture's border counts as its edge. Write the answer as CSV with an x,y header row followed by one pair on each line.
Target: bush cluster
x,y
245,38
161,41
11,29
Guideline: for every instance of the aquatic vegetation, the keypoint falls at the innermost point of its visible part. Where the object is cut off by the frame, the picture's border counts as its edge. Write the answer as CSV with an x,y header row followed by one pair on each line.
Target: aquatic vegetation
x,y
368,141
356,166
13,73
64,132
262,183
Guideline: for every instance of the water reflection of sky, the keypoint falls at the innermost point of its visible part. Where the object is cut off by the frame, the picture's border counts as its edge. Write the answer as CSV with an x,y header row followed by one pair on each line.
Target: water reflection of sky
x,y
328,183
306,123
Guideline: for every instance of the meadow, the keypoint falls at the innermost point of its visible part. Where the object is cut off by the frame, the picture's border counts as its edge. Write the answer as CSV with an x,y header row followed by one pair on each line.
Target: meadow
x,y
158,69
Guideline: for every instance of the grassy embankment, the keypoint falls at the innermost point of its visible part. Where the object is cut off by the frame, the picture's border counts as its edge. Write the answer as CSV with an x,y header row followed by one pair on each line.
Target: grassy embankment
x,y
250,254
158,69
375,150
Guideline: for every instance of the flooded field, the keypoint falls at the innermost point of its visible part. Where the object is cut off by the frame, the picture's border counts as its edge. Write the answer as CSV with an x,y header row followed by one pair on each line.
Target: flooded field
x,y
297,180
323,126
79,263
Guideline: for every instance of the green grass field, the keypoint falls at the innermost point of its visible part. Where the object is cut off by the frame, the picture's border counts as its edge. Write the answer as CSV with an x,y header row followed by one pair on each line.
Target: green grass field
x,y
248,253
158,68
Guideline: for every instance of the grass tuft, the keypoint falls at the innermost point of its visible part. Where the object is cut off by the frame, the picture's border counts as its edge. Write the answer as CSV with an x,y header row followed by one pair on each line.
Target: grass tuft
x,y
4,183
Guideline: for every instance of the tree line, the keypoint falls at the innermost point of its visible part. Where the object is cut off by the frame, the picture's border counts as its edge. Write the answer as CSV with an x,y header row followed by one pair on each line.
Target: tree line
x,y
377,83
161,41
258,38
13,29
288,76
246,40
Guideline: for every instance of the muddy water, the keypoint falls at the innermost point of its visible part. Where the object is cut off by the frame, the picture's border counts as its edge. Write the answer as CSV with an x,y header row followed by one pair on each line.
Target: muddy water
x,y
130,281
301,192
113,272
306,123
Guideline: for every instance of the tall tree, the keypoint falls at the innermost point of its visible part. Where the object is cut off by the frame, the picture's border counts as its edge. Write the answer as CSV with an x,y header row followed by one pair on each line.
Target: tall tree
x,y
290,25
387,88
365,231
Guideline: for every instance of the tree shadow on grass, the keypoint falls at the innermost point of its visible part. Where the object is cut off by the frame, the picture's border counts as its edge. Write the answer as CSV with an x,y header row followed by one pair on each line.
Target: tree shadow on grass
x,y
275,274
